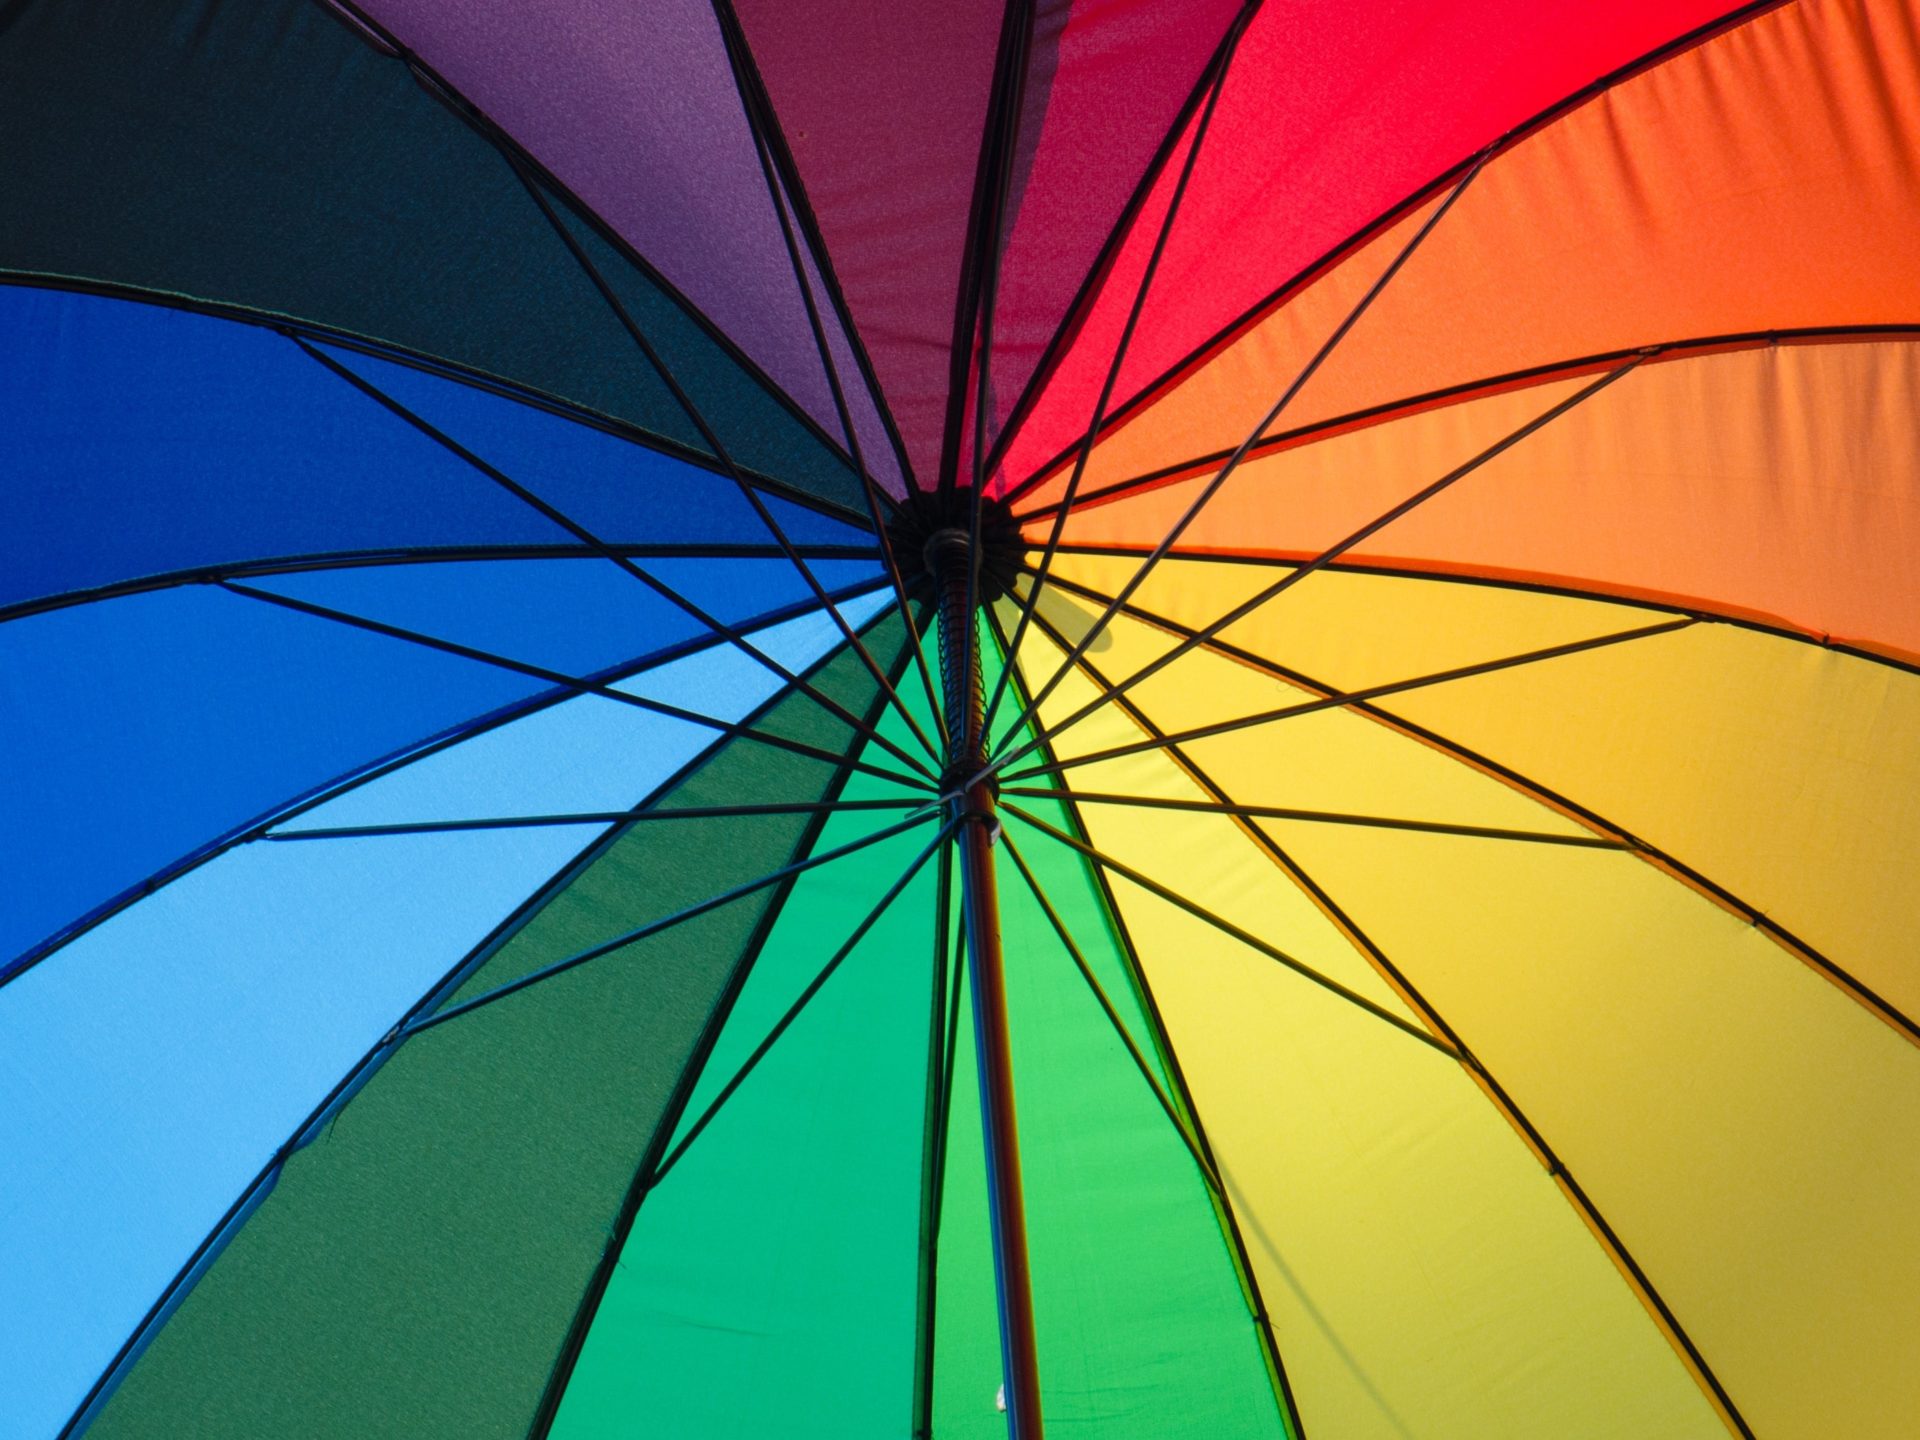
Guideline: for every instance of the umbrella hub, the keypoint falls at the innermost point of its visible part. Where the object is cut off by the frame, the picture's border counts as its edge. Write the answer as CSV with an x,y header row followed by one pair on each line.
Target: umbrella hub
x,y
926,513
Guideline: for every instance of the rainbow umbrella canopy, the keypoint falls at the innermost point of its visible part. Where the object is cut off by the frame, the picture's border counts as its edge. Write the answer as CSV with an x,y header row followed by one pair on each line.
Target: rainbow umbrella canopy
x,y
738,718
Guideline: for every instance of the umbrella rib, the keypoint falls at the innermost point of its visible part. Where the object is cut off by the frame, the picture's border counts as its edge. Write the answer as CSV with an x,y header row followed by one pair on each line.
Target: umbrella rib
x,y
596,817
1564,587
1668,864
1002,116
1054,919
324,561
518,155
1391,411
667,922
1323,817
312,799
1067,328
629,431
799,1004
383,1047
1176,1076
758,123
932,1153
1294,577
1250,940
555,677
245,1201
872,491
1371,952
1351,245
946,1067
681,1095
1204,123
1462,392
765,120
604,550
1009,88
712,440
1299,381
1344,698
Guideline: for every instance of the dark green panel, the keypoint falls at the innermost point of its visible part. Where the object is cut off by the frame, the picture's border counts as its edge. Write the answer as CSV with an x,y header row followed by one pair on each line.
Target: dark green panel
x,y
260,153
767,1288
418,1265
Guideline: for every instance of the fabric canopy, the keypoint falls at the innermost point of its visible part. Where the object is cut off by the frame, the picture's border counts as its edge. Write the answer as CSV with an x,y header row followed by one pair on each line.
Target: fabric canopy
x,y
481,939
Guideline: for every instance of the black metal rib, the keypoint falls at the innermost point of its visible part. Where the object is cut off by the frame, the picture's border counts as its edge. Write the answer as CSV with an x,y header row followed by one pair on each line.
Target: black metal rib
x,y
1717,1395
1669,864
1344,698
800,1002
1176,1075
1009,92
713,442
606,551
1227,927
872,491
1466,391
375,1056
957,988
985,209
1265,423
1695,607
1224,1213
555,677
1350,246
932,1127
516,154
1322,817
257,1188
1207,1172
1119,359
760,108
1058,343
597,817
680,1097
740,64
313,561
1320,561
311,799
632,937
517,391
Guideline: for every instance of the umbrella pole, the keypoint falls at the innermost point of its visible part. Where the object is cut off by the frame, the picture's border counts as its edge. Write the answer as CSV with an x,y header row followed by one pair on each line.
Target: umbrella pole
x,y
975,808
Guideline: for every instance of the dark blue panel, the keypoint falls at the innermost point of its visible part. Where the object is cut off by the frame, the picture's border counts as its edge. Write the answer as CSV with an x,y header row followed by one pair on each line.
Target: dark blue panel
x,y
576,616
619,490
137,729
141,440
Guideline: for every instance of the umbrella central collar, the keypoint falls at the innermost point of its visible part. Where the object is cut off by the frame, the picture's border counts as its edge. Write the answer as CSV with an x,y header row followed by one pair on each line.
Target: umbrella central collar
x,y
949,515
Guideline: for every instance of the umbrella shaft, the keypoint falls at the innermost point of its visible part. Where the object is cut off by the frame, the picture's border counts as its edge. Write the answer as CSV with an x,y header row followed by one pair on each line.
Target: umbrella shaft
x,y
975,807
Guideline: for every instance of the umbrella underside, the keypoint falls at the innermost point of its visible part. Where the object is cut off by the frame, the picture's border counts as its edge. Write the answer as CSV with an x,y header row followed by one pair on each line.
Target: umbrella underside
x,y
497,794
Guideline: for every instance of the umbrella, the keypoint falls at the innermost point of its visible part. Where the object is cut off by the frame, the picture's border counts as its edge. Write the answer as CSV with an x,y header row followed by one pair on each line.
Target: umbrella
x,y
727,717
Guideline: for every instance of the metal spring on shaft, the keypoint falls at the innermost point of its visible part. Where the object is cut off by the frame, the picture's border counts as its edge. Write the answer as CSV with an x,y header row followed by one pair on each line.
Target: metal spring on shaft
x,y
947,554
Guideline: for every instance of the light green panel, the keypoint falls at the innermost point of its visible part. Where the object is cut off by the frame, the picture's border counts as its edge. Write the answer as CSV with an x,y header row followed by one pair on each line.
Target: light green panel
x,y
1143,1328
